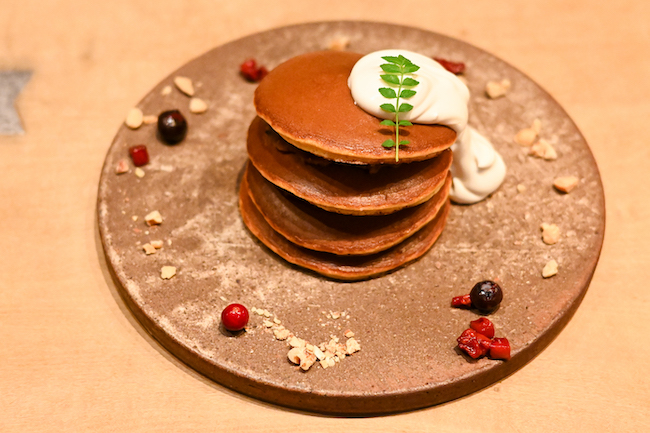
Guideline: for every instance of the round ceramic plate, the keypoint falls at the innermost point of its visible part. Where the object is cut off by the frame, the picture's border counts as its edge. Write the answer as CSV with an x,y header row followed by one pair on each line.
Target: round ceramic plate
x,y
403,321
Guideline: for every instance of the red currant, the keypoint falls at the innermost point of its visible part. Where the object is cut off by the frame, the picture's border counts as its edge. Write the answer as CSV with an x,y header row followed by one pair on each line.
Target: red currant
x,y
234,317
251,71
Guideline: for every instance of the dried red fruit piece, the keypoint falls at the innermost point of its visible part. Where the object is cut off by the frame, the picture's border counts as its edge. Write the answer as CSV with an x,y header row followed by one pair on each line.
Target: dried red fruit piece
x,y
500,349
453,67
483,326
234,317
251,71
461,301
139,155
473,343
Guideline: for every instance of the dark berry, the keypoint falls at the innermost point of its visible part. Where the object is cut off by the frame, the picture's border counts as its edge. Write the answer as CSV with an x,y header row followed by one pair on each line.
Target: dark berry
x,y
234,317
486,296
172,126
139,155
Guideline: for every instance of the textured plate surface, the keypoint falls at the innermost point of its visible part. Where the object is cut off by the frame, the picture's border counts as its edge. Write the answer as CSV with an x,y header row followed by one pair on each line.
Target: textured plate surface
x,y
403,321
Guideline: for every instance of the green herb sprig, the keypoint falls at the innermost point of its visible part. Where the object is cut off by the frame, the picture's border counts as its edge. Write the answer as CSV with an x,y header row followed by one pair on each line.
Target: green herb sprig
x,y
395,75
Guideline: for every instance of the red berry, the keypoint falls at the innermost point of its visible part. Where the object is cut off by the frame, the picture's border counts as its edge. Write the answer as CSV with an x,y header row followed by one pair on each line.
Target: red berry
x,y
139,155
234,317
500,349
453,67
473,343
461,301
251,71
172,126
483,326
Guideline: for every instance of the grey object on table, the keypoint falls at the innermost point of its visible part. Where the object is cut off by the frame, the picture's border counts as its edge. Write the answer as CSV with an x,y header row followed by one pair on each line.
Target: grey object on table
x,y
11,83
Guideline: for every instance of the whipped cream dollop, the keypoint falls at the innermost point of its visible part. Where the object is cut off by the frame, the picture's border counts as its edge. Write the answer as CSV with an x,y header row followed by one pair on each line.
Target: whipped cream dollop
x,y
441,98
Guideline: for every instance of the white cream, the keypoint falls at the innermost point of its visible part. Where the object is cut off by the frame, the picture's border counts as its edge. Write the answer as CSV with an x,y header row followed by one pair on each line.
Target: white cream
x,y
441,98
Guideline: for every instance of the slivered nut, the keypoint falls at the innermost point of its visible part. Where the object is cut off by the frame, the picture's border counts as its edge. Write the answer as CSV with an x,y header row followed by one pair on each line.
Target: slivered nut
x,y
184,84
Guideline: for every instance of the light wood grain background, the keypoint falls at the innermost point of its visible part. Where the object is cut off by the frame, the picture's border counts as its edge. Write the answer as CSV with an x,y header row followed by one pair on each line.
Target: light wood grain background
x,y
72,358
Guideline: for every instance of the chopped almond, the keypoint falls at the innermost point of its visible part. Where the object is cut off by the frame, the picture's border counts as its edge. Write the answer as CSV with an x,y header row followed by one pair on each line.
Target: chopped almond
x,y
550,269
148,249
565,184
185,85
167,272
497,89
550,233
153,218
198,106
543,149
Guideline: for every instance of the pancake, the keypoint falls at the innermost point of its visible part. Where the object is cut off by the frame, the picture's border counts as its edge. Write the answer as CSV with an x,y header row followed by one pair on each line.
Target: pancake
x,y
314,228
307,101
343,188
347,268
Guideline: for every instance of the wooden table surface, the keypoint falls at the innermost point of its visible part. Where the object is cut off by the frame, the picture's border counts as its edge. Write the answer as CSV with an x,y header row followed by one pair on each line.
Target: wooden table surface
x,y
72,357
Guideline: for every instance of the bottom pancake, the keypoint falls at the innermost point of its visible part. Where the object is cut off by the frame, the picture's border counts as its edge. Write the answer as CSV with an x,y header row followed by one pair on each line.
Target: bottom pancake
x,y
316,229
347,268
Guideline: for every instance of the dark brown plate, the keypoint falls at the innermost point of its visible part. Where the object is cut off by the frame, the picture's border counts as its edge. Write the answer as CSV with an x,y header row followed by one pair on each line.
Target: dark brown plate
x,y
406,328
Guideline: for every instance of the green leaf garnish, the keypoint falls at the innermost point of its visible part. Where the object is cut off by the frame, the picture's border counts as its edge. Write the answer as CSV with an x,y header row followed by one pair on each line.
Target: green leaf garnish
x,y
389,93
395,71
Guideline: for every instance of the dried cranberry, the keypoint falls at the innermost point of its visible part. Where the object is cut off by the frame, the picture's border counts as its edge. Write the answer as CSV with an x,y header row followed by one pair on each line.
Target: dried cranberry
x,y
453,67
483,326
251,71
473,343
500,349
461,301
486,296
234,317
139,155
172,126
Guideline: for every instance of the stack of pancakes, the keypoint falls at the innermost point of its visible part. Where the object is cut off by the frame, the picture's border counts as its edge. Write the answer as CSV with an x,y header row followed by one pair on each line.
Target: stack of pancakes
x,y
321,191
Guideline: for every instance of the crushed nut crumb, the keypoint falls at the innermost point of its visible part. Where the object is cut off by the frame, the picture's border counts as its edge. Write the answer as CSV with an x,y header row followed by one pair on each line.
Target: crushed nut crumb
x,y
565,184
497,89
198,106
521,188
148,249
550,269
149,119
184,84
550,233
139,172
134,118
153,218
122,166
167,272
349,334
543,149
157,244
339,44
166,90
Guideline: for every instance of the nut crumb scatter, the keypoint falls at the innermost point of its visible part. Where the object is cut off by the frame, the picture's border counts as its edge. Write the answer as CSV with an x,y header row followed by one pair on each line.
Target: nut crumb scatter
x,y
122,166
550,233
339,44
550,269
184,84
153,218
565,184
148,249
167,272
497,89
543,149
198,106
166,90
521,188
139,172
134,118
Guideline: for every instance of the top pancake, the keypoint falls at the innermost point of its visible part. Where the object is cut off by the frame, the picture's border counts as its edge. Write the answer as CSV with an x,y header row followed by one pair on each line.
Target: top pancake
x,y
307,101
